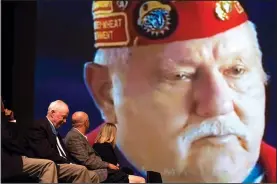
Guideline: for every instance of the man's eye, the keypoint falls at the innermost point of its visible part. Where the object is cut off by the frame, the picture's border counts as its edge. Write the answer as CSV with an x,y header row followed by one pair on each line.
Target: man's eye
x,y
235,71
183,76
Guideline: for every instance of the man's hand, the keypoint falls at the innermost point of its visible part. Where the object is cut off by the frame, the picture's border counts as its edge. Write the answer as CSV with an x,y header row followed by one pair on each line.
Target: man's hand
x,y
9,113
114,167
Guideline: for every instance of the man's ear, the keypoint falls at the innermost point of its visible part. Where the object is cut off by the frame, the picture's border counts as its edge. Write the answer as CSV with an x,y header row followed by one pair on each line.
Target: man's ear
x,y
98,83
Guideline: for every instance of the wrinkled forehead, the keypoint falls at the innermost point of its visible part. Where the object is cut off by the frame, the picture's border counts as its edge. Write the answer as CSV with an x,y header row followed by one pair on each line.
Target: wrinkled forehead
x,y
241,40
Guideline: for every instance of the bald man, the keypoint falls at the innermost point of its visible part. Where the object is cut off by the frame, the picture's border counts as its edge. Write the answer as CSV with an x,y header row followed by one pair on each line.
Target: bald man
x,y
78,146
45,142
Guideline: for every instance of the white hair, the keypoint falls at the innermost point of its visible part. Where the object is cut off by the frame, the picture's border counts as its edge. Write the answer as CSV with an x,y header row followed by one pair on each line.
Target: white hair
x,y
119,57
56,105
108,56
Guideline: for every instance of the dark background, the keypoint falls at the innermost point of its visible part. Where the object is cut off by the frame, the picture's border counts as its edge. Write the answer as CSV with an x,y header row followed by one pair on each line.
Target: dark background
x,y
46,43
18,35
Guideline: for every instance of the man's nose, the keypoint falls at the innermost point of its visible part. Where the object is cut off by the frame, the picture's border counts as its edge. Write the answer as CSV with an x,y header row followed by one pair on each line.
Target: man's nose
x,y
212,94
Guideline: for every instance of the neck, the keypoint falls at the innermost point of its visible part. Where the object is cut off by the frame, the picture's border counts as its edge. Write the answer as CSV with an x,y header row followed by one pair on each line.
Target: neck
x,y
51,120
81,129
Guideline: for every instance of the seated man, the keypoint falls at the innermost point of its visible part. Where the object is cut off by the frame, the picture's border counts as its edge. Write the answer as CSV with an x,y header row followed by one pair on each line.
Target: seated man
x,y
14,163
45,142
77,144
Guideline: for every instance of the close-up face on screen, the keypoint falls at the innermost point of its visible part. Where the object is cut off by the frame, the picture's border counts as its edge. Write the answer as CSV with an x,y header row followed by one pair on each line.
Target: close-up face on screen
x,y
187,86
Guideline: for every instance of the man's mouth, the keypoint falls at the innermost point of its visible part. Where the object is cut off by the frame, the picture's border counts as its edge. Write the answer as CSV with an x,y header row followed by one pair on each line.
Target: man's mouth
x,y
218,130
221,140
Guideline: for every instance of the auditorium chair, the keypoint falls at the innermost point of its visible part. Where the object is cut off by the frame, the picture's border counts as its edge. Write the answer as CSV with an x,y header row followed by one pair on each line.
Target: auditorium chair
x,y
153,177
20,179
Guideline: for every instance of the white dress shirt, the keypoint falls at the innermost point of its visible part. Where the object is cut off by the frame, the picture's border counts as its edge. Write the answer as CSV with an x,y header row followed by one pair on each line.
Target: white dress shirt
x,y
59,146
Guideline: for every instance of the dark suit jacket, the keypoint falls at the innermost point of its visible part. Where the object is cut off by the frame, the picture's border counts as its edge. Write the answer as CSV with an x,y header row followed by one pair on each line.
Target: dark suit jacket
x,y
11,164
43,144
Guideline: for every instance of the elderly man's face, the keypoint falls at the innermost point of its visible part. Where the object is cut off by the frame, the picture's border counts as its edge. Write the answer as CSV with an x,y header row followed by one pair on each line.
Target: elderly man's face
x,y
192,110
59,117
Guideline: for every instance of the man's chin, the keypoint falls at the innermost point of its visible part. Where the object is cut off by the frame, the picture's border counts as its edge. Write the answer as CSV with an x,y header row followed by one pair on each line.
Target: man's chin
x,y
205,163
207,172
216,163
219,178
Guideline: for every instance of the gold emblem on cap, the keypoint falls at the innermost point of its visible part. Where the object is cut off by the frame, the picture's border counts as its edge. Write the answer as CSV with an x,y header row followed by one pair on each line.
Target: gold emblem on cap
x,y
122,4
238,7
222,9
99,7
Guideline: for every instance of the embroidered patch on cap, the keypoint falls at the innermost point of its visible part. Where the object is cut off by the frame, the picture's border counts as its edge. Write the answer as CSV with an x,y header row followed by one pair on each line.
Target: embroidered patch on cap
x,y
111,29
155,20
127,23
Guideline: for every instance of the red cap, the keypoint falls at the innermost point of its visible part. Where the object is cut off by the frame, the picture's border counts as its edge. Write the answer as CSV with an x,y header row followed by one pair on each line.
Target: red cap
x,y
126,23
